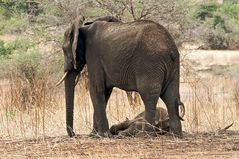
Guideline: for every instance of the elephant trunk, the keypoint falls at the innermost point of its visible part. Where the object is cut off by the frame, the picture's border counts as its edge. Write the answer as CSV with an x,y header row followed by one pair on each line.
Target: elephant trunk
x,y
69,96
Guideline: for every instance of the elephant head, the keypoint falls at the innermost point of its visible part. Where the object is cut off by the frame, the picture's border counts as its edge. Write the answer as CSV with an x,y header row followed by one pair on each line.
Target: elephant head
x,y
73,46
74,62
74,57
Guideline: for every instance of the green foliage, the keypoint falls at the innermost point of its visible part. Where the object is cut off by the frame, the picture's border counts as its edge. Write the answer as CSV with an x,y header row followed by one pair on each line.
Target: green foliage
x,y
10,7
16,47
16,15
21,57
27,64
12,24
3,50
21,45
230,9
218,12
10,16
24,58
219,25
204,11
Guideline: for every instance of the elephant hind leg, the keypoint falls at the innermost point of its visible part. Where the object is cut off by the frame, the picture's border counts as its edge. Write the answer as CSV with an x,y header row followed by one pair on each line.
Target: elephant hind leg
x,y
171,99
150,99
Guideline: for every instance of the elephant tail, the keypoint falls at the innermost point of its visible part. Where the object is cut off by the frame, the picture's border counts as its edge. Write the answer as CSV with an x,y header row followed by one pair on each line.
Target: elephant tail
x,y
181,108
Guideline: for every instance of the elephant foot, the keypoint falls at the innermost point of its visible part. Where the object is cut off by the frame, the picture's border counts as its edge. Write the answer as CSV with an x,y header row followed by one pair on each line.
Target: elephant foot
x,y
98,134
105,134
176,131
70,132
93,133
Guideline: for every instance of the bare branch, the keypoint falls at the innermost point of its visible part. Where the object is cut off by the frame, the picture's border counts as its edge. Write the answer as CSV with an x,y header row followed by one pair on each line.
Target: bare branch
x,y
131,9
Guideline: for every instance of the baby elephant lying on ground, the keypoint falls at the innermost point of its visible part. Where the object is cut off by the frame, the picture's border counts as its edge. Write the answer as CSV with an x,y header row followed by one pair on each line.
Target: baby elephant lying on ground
x,y
135,126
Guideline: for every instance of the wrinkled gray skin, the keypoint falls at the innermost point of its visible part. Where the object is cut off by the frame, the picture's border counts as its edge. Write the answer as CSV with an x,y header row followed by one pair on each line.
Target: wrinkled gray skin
x,y
134,126
138,56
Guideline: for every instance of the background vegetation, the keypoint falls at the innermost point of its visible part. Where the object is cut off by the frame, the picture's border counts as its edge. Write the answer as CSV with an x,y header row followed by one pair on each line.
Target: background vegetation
x,y
31,59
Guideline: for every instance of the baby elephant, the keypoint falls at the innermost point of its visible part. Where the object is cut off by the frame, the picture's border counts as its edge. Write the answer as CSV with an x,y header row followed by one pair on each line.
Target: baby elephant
x,y
135,126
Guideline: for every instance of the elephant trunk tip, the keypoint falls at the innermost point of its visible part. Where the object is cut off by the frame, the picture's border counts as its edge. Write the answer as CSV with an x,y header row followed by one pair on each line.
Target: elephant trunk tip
x,y
70,131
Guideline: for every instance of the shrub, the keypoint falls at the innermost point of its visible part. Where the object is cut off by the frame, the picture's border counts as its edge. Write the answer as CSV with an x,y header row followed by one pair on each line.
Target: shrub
x,y
15,24
3,50
30,72
30,80
8,8
218,25
18,46
205,11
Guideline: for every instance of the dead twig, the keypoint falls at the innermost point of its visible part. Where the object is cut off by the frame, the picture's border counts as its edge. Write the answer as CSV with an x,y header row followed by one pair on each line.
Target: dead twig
x,y
223,130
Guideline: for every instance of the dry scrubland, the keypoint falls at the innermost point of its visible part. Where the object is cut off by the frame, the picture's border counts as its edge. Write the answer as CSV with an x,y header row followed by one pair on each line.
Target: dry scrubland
x,y
33,122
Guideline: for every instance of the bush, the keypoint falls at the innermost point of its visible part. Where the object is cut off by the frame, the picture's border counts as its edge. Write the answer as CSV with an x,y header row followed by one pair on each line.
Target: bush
x,y
15,15
9,8
27,65
15,24
16,47
3,50
30,80
205,11
11,17
30,73
218,25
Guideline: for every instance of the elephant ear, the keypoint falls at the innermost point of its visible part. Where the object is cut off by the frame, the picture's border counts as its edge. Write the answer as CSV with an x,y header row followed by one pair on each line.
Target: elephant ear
x,y
71,39
77,23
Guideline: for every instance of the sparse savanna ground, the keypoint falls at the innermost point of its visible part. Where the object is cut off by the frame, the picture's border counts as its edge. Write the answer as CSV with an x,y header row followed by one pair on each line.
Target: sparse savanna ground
x,y
35,127
196,145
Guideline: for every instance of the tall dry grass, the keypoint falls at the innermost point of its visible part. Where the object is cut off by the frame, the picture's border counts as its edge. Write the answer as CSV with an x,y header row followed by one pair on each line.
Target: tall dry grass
x,y
33,107
210,99
24,102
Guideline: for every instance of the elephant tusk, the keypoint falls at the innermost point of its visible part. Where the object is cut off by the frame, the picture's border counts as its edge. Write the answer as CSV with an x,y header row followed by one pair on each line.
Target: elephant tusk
x,y
62,79
77,79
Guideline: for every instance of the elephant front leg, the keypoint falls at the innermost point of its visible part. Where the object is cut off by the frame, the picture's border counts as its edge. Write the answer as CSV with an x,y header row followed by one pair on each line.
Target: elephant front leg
x,y
99,99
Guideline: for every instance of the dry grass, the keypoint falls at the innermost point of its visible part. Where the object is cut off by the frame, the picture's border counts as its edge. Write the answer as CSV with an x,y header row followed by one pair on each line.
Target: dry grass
x,y
31,117
192,146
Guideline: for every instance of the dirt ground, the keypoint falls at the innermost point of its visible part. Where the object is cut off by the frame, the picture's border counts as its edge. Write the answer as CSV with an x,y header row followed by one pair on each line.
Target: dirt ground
x,y
217,108
196,145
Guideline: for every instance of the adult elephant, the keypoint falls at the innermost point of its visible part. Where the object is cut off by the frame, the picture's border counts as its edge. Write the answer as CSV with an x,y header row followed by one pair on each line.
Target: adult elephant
x,y
137,56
